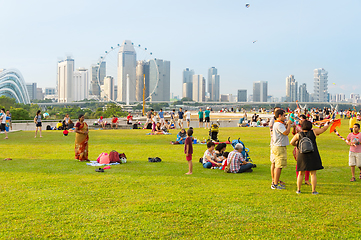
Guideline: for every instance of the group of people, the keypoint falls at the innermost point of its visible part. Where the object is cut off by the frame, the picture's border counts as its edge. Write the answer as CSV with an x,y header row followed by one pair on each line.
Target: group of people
x,y
5,120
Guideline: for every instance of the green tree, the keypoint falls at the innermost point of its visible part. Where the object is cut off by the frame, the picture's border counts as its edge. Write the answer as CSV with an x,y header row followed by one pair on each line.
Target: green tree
x,y
19,114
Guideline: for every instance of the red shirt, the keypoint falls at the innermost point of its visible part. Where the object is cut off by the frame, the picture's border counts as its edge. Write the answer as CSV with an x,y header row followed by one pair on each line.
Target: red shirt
x,y
115,120
188,143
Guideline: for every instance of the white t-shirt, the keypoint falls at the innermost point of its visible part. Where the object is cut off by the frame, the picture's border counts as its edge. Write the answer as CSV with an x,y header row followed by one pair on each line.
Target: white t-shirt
x,y
3,120
278,138
188,115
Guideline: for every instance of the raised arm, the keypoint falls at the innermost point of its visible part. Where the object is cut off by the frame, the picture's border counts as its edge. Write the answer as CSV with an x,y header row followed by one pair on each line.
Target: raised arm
x,y
318,131
294,140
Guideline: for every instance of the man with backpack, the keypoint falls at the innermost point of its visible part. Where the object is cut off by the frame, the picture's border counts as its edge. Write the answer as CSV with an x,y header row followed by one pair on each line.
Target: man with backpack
x,y
279,148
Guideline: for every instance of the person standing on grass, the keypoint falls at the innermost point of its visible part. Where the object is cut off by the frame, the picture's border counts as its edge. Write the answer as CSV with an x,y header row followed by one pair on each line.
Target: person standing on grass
x,y
172,119
200,117
180,118
188,117
272,157
3,122
279,148
37,121
161,117
206,118
188,150
81,139
354,139
310,161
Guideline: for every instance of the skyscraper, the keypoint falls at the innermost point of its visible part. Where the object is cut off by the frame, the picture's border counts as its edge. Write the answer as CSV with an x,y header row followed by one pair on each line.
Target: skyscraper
x,y
159,83
97,71
31,87
126,66
213,84
303,94
108,89
188,83
291,89
260,91
65,80
142,70
199,88
242,95
320,85
80,84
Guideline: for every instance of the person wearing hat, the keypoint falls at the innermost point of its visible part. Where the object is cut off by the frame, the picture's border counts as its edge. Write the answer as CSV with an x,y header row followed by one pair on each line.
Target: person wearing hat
x,y
101,122
206,118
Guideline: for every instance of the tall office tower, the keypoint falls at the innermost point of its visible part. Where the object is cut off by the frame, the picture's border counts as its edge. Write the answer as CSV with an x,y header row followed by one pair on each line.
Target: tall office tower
x,y
160,85
127,64
65,80
242,95
187,86
260,91
97,71
31,87
115,92
211,71
303,94
142,70
39,94
320,85
107,93
80,84
291,89
214,95
199,88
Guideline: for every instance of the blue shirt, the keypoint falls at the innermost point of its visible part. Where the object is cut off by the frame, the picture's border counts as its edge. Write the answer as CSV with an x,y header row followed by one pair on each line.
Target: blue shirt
x,y
172,115
180,115
161,114
206,113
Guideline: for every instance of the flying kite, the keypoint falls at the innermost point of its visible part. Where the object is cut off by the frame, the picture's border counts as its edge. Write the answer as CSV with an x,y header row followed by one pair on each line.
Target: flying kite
x,y
247,5
254,41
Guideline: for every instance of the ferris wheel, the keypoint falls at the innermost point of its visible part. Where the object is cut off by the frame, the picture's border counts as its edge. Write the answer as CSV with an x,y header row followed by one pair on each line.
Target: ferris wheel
x,y
107,66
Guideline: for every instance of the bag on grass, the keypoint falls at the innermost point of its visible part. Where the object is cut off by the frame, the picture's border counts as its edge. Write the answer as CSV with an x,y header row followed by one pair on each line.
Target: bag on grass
x,y
114,157
305,144
103,158
122,157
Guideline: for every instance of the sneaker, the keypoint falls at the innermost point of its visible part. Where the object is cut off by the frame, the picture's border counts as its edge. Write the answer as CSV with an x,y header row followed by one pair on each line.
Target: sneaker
x,y
314,193
298,191
273,186
279,187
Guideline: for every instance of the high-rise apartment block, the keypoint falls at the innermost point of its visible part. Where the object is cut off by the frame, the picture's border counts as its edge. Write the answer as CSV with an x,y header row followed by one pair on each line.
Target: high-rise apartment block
x,y
242,95
127,64
65,80
320,85
260,89
188,83
80,84
199,88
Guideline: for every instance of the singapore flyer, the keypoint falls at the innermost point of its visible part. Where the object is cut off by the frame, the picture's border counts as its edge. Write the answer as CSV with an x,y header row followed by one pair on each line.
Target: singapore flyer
x,y
123,74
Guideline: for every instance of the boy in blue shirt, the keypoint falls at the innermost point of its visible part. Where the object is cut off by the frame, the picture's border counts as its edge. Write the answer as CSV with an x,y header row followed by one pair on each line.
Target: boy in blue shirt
x,y
180,118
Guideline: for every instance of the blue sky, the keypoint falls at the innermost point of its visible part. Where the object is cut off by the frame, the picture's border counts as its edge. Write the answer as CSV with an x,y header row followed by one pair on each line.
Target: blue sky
x,y
293,37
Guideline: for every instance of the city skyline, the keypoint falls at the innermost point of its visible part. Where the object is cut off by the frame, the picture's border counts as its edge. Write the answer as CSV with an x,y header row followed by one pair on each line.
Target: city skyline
x,y
293,38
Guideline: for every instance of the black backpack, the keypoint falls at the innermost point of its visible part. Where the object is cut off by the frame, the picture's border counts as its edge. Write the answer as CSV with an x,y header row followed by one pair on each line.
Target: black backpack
x,y
305,144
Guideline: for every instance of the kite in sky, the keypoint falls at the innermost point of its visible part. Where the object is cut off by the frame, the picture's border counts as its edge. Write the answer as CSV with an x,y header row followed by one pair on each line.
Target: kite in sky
x,y
247,5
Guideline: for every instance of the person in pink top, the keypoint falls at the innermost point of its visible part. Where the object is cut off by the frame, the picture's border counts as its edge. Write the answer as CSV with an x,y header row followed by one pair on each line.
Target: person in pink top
x,y
355,150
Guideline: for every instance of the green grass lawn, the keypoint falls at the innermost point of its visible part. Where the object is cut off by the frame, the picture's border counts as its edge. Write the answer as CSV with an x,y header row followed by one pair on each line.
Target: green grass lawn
x,y
45,193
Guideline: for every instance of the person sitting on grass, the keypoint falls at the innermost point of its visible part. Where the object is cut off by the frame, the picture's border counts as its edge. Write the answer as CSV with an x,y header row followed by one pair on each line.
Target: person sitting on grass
x,y
158,128
210,159
166,126
219,149
181,137
59,125
236,161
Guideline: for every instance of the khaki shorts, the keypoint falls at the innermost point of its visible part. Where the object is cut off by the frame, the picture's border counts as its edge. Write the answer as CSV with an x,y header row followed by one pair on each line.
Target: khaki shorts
x,y
354,159
272,156
280,156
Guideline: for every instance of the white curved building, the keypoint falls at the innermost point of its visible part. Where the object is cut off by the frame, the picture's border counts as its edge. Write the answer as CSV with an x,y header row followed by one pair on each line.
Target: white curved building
x,y
12,85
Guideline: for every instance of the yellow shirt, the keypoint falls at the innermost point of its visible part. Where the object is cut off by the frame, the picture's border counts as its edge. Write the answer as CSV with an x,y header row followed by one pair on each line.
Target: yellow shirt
x,y
59,124
352,122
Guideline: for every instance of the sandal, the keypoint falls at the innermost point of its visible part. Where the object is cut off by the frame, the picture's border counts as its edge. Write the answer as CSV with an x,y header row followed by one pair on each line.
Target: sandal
x,y
281,182
353,179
